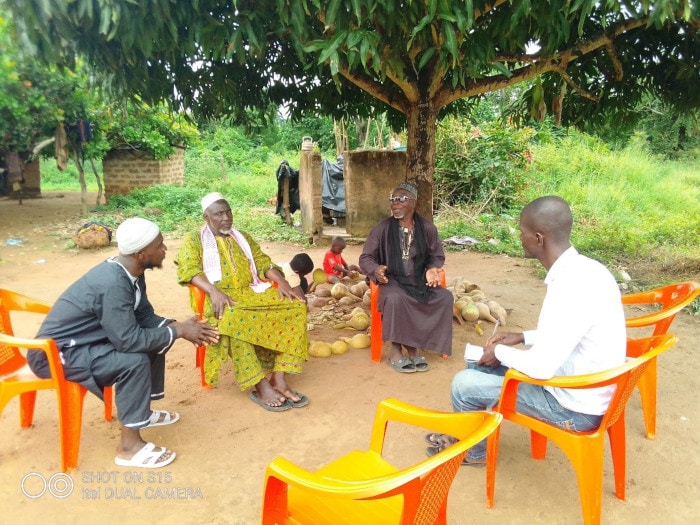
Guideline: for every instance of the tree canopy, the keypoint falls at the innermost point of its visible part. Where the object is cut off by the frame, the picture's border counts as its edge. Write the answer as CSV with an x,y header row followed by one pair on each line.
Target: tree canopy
x,y
414,57
33,99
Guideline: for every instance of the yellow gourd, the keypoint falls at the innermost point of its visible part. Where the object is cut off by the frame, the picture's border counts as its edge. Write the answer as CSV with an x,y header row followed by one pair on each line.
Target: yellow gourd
x,y
470,312
339,347
319,349
357,341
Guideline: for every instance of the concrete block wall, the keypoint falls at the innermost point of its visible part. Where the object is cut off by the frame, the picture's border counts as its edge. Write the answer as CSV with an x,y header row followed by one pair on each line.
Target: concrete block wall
x,y
369,177
124,171
32,179
310,177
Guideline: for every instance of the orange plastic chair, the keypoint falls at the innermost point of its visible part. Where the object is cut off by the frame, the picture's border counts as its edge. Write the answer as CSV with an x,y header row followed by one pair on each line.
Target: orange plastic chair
x,y
16,379
672,299
584,449
199,297
375,328
362,487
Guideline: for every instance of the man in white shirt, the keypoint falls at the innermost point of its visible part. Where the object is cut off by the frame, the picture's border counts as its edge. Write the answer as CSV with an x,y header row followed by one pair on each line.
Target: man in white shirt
x,y
581,329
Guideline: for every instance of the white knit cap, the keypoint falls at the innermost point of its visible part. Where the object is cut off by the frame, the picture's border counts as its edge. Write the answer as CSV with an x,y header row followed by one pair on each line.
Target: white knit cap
x,y
210,199
135,234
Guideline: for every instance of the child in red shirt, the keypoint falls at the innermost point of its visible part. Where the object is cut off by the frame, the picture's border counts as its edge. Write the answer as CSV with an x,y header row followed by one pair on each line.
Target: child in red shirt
x,y
335,266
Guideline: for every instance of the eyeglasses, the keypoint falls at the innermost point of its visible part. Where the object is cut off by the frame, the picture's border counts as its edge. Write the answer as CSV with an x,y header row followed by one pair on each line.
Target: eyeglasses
x,y
403,198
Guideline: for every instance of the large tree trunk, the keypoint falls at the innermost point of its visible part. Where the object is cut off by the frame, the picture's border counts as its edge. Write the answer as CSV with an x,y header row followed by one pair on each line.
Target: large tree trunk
x,y
421,126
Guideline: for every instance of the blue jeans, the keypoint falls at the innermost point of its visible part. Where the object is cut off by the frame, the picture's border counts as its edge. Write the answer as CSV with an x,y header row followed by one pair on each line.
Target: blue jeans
x,y
479,388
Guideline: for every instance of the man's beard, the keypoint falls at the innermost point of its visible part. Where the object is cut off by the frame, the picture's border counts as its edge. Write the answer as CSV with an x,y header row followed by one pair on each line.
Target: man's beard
x,y
225,231
150,266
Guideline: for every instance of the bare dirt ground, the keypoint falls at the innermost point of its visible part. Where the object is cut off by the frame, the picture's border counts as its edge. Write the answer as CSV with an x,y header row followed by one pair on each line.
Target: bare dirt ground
x,y
224,441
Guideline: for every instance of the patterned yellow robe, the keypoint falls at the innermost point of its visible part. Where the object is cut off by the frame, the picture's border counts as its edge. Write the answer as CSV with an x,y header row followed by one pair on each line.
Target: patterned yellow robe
x,y
261,331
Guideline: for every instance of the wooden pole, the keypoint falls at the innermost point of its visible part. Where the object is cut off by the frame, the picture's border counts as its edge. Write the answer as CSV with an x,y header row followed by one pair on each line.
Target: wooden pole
x,y
285,200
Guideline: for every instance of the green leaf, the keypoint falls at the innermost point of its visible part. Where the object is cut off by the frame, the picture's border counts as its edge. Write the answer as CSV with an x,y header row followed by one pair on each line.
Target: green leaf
x,y
332,12
450,41
417,29
357,9
425,57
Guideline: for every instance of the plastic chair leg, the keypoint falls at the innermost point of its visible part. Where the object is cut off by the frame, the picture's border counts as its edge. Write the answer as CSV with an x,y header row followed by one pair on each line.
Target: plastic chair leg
x,y
27,401
618,448
70,423
589,473
538,445
108,394
199,356
491,463
200,363
375,329
647,391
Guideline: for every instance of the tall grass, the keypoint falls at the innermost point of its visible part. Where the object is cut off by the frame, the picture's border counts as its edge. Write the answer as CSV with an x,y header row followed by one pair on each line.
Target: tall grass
x,y
631,209
627,203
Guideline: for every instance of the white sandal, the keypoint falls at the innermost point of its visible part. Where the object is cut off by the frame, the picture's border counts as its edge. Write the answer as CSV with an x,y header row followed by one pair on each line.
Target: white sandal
x,y
168,418
147,457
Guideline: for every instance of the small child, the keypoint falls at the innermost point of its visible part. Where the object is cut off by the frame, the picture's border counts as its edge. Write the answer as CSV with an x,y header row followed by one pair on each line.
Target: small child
x,y
301,264
335,266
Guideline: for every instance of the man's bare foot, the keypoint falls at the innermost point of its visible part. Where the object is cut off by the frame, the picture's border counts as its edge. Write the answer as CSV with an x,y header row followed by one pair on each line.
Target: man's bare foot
x,y
411,351
396,353
278,383
269,395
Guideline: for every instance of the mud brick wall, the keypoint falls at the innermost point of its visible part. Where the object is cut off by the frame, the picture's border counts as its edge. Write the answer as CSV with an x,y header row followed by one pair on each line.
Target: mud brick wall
x,y
369,177
124,171
32,179
310,177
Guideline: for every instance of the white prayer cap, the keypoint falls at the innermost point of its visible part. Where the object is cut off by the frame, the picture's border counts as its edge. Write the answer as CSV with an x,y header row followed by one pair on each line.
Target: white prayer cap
x,y
210,199
135,234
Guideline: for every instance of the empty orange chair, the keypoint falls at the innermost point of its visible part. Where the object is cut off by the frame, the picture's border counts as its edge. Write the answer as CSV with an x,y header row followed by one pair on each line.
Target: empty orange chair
x,y
16,379
375,328
584,449
362,487
671,300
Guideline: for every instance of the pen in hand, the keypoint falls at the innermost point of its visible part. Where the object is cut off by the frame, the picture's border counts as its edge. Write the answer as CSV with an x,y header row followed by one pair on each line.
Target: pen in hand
x,y
495,328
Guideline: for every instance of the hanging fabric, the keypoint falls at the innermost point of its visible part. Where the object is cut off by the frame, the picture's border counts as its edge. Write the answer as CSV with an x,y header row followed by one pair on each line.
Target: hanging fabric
x,y
62,153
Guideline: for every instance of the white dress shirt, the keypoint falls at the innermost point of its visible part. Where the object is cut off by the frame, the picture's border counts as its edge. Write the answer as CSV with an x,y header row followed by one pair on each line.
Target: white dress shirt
x,y
581,329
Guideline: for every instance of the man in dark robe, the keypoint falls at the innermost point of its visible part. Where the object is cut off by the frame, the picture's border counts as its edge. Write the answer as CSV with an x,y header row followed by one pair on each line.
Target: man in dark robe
x,y
403,254
108,334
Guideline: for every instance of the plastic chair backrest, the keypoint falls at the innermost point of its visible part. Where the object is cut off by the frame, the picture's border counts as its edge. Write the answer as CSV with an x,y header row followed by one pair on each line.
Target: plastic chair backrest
x,y
342,489
645,350
375,327
672,299
11,359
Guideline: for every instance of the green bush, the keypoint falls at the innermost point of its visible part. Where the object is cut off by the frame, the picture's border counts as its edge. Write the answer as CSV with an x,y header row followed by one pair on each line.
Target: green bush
x,y
480,164
153,129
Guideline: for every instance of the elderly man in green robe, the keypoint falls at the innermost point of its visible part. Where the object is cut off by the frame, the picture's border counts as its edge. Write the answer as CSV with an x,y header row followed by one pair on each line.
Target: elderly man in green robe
x,y
261,327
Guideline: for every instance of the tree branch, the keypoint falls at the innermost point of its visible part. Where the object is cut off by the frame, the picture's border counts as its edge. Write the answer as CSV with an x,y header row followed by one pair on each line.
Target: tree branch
x,y
537,65
392,97
582,92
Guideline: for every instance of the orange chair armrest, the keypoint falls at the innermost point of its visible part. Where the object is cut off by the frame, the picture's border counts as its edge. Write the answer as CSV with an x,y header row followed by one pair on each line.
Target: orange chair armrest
x,y
18,302
656,345
48,346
